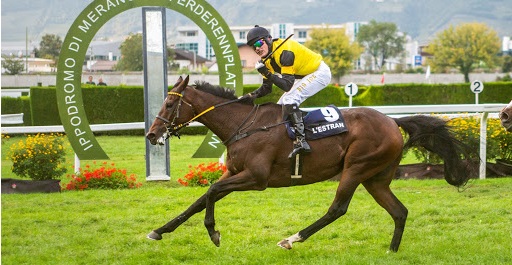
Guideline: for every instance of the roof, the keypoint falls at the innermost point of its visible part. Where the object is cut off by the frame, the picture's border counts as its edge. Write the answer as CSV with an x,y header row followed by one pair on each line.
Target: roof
x,y
102,48
103,66
180,54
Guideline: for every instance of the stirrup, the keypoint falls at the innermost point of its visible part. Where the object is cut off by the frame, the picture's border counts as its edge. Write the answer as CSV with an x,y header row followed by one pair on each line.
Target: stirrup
x,y
301,148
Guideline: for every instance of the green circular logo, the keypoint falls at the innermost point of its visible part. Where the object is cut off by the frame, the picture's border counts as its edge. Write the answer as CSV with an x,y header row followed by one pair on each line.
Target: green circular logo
x,y
85,27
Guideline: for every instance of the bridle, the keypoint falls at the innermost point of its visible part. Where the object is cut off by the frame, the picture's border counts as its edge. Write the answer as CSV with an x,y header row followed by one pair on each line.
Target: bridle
x,y
172,128
240,133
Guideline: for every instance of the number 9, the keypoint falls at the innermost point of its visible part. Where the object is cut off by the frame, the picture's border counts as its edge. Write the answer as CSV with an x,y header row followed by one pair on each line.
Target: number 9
x,y
330,114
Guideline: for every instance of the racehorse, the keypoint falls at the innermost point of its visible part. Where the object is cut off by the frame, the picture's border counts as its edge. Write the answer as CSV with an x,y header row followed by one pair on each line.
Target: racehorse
x,y
506,117
258,148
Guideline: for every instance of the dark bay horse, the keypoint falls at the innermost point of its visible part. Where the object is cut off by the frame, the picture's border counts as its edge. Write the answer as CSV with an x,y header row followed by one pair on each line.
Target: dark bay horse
x,y
258,148
506,117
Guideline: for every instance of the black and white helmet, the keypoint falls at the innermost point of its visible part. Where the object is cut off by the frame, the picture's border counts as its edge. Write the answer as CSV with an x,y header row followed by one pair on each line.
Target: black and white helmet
x,y
257,33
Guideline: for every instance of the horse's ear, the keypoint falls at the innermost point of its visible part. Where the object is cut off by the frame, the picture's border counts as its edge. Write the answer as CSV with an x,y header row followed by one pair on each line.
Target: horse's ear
x,y
182,85
180,79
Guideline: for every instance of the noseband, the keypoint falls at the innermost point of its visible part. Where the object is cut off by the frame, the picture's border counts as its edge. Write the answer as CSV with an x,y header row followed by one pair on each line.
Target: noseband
x,y
170,126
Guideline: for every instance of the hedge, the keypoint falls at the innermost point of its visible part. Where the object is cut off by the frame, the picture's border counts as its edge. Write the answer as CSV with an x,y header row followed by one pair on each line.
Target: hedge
x,y
432,94
112,104
17,105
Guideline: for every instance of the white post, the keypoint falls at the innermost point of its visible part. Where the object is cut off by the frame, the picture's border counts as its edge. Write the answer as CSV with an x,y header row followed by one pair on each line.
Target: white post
x,y
77,164
483,144
221,159
155,87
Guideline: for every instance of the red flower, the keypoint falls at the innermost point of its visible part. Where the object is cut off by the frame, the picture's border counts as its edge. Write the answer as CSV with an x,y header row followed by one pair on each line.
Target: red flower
x,y
104,177
203,174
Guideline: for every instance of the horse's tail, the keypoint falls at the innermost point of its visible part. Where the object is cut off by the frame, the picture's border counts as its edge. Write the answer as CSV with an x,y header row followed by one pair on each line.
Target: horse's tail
x,y
435,135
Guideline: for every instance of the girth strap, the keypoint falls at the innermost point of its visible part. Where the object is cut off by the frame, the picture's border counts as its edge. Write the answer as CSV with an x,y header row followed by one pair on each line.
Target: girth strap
x,y
240,135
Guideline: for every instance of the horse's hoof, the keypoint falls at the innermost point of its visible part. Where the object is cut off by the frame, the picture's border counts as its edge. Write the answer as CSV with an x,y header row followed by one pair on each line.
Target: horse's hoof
x,y
215,237
154,236
285,244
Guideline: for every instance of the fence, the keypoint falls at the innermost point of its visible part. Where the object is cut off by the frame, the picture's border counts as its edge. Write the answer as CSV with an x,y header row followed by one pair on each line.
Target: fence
x,y
484,110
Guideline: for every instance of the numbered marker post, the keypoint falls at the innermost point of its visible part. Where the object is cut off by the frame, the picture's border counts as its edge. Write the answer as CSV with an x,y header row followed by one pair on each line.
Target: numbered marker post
x,y
477,87
350,90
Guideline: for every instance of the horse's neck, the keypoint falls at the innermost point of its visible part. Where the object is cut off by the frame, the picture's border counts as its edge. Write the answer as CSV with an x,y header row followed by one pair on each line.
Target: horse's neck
x,y
223,120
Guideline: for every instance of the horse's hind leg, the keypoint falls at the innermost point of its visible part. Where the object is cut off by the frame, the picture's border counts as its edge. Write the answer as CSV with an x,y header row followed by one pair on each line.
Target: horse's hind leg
x,y
338,208
378,187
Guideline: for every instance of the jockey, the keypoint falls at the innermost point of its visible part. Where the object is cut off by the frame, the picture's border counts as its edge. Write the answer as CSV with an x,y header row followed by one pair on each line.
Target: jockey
x,y
297,70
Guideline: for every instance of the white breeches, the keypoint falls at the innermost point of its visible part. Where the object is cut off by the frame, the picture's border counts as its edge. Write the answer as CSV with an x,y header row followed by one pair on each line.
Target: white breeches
x,y
307,86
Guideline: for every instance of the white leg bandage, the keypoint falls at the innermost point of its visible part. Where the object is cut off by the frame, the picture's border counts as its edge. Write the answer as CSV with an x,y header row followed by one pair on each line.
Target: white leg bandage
x,y
295,238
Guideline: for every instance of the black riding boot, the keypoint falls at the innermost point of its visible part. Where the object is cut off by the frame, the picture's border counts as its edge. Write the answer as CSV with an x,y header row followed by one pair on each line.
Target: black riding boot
x,y
299,145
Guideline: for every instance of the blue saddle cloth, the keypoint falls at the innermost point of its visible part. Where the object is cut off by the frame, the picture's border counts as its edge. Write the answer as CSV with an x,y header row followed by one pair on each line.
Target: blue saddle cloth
x,y
321,123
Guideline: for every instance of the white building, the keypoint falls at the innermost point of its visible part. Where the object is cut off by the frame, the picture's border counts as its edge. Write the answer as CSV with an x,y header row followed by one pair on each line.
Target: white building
x,y
193,39
506,46
36,65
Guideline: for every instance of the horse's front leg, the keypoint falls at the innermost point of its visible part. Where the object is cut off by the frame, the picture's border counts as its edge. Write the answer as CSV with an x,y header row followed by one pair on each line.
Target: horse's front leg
x,y
196,207
242,181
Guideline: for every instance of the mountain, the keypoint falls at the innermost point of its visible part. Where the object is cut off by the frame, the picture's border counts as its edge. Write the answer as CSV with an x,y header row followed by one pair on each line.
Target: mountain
x,y
419,19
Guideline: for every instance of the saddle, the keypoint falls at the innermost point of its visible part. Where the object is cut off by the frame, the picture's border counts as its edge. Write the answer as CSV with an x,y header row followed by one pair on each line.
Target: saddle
x,y
320,123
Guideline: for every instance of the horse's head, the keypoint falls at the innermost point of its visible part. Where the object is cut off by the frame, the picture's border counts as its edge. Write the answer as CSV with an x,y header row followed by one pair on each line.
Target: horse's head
x,y
506,117
171,116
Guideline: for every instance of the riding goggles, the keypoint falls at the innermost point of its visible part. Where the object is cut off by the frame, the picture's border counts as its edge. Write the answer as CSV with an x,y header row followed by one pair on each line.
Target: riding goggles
x,y
258,44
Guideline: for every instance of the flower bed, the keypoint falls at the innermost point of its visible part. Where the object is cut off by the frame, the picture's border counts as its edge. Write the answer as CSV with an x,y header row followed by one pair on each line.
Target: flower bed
x,y
103,177
203,174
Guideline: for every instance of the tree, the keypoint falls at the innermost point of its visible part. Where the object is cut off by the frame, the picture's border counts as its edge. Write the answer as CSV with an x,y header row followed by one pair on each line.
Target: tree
x,y
336,49
49,47
131,54
464,47
12,65
381,40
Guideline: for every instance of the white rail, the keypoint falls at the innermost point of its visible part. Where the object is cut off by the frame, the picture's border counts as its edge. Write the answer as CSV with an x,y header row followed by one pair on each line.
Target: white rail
x,y
16,118
463,109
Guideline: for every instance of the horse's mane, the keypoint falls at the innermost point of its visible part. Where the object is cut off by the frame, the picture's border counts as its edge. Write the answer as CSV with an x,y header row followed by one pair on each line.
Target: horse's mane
x,y
219,91
216,90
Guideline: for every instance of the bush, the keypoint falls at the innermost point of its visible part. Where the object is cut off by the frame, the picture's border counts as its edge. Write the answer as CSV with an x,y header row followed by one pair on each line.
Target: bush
x,y
498,140
104,177
505,78
203,174
39,157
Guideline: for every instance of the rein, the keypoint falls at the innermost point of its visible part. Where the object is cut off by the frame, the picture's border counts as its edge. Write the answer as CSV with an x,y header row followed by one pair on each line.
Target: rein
x,y
173,129
237,135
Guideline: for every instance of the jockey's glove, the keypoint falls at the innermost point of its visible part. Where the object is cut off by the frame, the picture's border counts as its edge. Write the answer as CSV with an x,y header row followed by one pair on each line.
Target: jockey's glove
x,y
249,97
262,69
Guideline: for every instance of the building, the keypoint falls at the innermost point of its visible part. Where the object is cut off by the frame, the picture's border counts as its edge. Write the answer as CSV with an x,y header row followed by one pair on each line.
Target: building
x,y
189,60
36,65
102,56
506,46
193,39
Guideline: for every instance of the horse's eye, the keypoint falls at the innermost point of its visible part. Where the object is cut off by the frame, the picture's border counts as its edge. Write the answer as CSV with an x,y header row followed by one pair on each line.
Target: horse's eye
x,y
168,105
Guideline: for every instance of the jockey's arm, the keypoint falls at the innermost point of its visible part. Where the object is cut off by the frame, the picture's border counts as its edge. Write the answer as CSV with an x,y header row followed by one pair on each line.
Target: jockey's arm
x,y
264,89
285,83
